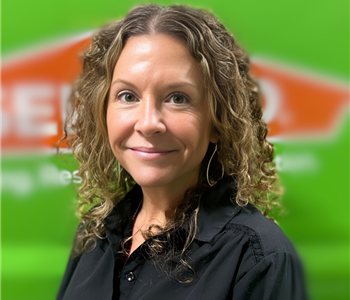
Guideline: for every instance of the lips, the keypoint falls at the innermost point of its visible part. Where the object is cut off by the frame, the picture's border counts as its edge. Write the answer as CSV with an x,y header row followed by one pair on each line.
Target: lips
x,y
150,153
150,150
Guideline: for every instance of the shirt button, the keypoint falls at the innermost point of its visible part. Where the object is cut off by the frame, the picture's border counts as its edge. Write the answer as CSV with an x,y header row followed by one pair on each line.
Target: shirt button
x,y
130,277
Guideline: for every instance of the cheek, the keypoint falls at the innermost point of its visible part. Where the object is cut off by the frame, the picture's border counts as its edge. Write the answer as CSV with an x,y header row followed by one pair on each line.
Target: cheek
x,y
192,130
114,125
111,123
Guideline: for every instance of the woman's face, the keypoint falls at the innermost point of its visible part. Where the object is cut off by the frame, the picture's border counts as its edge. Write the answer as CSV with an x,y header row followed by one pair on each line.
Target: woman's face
x,y
157,117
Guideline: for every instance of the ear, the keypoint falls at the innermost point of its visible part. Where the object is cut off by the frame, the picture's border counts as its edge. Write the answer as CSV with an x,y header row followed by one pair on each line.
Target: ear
x,y
213,137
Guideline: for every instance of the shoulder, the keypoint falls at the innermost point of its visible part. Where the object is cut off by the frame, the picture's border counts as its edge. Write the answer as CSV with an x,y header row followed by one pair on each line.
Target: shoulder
x,y
269,264
265,236
218,213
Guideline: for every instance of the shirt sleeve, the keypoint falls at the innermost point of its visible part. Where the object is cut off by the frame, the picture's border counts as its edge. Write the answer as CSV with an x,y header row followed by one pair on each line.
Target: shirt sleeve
x,y
73,261
277,276
72,264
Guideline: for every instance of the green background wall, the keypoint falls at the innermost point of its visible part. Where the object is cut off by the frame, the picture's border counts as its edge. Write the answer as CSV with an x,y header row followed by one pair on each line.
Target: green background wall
x,y
37,213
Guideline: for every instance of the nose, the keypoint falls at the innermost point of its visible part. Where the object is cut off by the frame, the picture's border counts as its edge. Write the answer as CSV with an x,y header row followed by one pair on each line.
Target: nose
x,y
149,118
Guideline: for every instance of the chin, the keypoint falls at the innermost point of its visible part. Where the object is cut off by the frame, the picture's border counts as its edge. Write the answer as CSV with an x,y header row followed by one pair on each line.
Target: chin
x,y
151,182
154,179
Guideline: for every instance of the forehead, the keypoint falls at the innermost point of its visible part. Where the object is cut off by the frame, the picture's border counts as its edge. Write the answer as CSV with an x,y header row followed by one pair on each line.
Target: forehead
x,y
157,57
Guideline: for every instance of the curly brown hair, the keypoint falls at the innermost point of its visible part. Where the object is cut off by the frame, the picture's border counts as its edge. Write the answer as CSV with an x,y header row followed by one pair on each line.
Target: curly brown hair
x,y
235,108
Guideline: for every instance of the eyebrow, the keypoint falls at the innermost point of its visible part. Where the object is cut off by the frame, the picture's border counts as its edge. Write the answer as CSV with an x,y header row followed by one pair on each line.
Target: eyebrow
x,y
123,81
170,86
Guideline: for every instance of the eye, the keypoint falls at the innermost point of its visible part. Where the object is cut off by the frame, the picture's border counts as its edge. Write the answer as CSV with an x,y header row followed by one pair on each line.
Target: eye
x,y
127,97
178,99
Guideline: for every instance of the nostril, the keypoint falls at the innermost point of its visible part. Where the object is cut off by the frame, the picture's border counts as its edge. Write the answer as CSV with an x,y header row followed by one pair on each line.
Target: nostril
x,y
150,127
149,117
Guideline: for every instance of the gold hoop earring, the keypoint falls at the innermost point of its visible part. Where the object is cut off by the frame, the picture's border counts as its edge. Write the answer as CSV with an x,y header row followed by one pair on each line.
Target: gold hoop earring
x,y
223,171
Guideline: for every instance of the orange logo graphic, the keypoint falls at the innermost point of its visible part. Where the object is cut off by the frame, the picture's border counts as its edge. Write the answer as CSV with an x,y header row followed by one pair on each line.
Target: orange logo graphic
x,y
35,89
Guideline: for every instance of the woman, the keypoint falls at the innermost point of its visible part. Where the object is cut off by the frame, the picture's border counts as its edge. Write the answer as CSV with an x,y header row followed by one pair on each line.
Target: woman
x,y
173,154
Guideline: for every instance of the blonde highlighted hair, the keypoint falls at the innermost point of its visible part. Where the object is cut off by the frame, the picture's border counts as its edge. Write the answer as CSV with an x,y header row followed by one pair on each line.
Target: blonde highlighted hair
x,y
235,108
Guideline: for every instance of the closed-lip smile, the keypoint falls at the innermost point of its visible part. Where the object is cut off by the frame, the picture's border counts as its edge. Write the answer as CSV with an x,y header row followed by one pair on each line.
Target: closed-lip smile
x,y
150,153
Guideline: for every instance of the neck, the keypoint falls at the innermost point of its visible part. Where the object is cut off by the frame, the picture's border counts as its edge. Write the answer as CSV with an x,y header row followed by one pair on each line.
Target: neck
x,y
160,203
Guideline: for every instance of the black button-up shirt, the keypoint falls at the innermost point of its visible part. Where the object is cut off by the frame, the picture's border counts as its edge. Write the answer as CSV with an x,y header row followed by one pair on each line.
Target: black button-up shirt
x,y
237,254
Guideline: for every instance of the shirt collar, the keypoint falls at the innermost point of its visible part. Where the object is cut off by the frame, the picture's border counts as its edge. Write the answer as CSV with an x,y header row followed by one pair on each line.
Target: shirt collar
x,y
217,208
118,224
215,211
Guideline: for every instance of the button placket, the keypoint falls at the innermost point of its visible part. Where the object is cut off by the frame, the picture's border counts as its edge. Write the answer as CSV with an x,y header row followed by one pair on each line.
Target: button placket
x,y
130,276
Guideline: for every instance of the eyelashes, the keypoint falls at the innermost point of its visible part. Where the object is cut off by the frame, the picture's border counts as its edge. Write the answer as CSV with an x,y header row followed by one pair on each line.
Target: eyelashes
x,y
127,97
176,98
